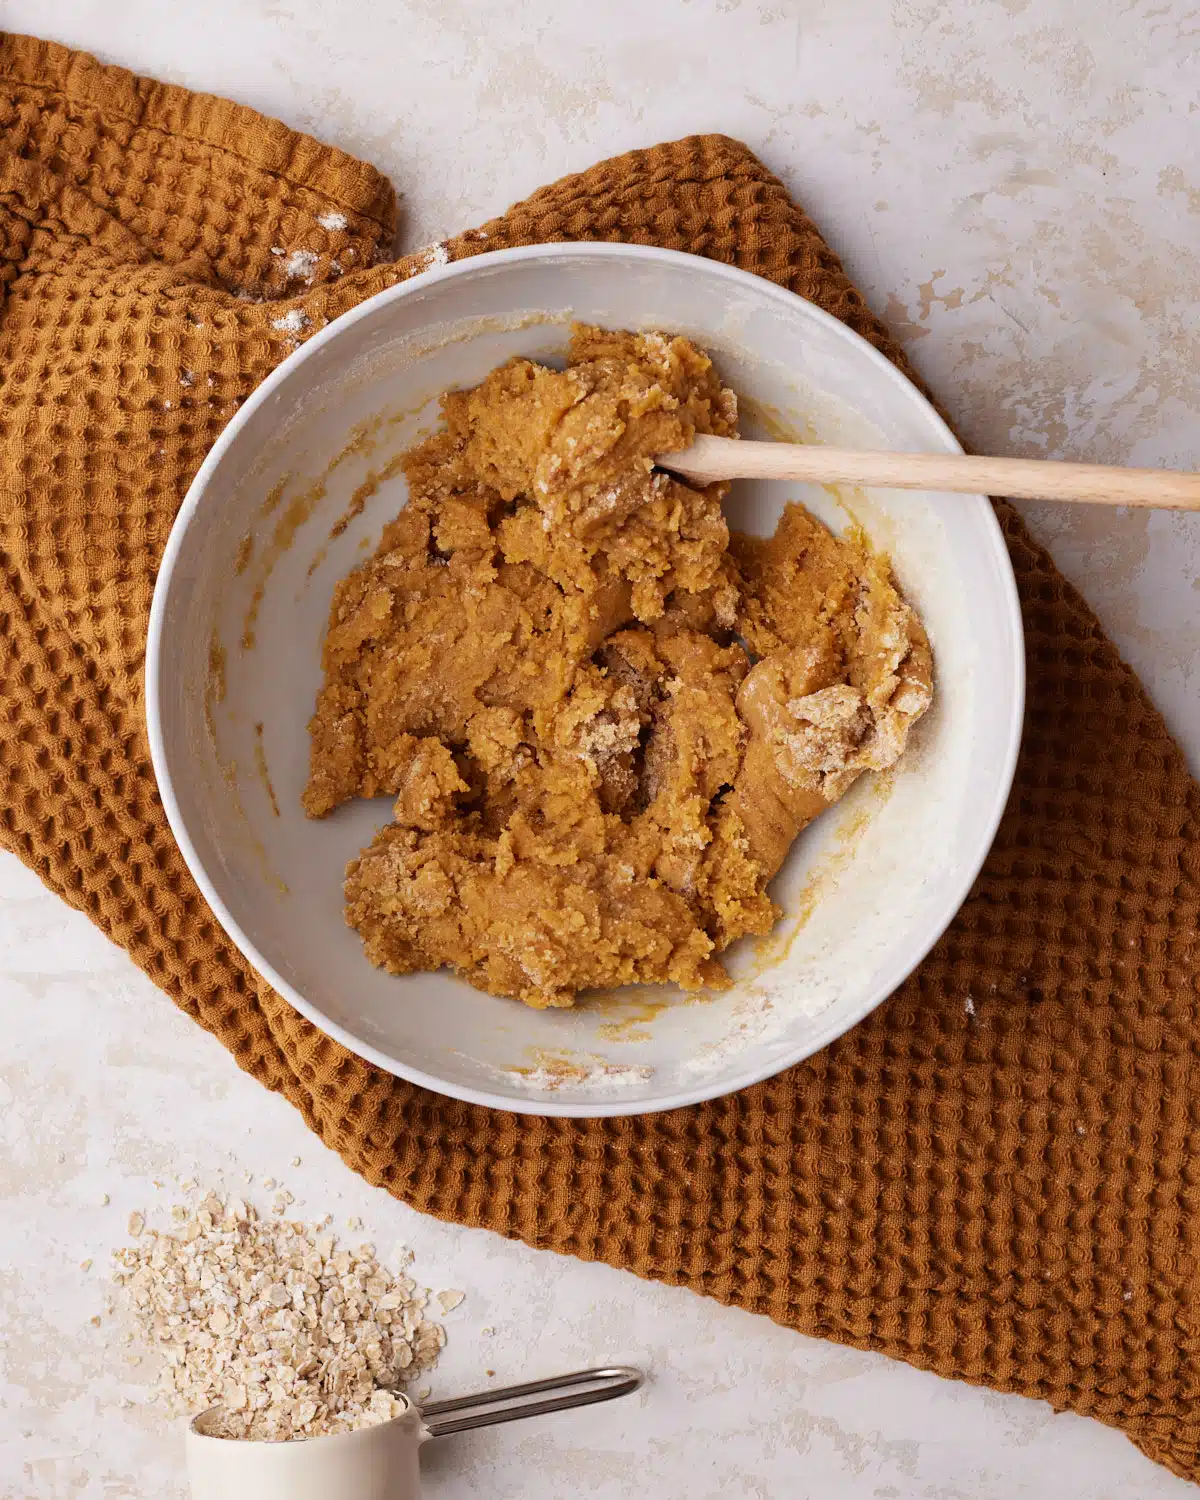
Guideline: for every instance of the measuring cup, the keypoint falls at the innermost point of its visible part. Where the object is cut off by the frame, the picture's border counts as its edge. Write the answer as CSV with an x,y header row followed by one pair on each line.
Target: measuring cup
x,y
380,1462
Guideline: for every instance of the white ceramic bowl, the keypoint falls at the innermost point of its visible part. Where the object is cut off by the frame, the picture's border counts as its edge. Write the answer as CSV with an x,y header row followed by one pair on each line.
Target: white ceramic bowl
x,y
866,891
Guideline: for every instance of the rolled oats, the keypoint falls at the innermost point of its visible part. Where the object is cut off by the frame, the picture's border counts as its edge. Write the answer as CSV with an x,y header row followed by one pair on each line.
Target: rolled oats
x,y
272,1321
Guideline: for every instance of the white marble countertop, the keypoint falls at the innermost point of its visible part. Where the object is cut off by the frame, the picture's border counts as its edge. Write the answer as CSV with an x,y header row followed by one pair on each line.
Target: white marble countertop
x,y
1013,186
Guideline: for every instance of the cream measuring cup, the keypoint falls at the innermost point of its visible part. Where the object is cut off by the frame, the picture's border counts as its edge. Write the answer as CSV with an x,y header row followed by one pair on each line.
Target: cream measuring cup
x,y
380,1462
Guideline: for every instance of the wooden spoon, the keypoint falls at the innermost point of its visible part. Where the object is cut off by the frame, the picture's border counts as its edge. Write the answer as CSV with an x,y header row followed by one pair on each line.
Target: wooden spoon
x,y
710,458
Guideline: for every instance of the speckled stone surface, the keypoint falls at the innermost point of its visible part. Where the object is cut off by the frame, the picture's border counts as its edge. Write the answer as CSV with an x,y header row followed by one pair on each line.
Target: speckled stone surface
x,y
1032,245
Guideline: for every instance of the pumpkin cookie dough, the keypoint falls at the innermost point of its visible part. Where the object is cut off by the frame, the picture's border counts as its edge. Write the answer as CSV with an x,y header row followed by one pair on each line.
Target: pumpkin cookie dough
x,y
602,718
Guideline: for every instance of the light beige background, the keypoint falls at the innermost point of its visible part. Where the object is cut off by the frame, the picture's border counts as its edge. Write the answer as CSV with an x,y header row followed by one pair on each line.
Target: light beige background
x,y
1014,185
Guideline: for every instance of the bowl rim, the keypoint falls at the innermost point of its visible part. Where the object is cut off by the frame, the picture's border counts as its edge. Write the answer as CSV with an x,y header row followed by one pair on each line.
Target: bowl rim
x,y
547,1104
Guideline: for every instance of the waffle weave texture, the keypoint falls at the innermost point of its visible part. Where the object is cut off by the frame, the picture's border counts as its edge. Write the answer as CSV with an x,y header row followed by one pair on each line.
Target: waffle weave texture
x,y
1009,1197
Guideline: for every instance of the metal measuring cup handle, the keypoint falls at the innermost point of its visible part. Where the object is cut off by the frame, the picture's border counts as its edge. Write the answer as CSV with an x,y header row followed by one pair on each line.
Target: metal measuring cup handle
x,y
581,1388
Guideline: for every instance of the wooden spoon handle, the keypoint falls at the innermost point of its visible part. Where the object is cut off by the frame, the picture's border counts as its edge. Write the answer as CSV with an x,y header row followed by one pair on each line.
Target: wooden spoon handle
x,y
710,458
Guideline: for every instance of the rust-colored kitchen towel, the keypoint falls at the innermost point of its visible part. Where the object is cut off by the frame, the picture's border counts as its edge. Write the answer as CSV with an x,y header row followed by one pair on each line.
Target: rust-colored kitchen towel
x,y
1005,1191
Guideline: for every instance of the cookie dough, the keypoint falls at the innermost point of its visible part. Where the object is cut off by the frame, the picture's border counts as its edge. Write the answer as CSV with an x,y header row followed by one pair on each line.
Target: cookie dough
x,y
602,718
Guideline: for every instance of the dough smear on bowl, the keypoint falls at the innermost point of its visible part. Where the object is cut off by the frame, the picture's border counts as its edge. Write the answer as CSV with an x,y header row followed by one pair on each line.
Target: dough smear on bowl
x,y
602,718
